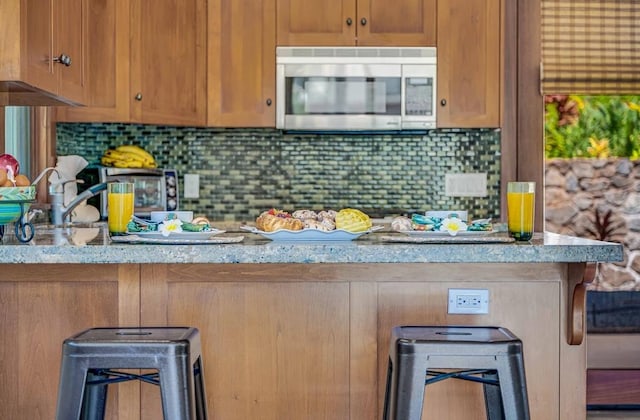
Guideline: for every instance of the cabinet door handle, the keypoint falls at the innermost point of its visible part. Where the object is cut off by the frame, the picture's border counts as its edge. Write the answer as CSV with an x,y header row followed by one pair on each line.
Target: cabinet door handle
x,y
443,102
349,21
269,102
138,96
63,59
363,21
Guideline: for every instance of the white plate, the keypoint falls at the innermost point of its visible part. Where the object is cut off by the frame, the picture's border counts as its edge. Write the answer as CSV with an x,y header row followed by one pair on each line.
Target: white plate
x,y
429,233
135,239
310,235
178,235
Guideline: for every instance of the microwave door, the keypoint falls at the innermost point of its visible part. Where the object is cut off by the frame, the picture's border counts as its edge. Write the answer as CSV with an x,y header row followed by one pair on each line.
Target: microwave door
x,y
340,97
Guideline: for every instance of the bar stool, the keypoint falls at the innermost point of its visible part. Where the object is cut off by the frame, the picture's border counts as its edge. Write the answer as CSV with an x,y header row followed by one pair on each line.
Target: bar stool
x,y
88,360
489,355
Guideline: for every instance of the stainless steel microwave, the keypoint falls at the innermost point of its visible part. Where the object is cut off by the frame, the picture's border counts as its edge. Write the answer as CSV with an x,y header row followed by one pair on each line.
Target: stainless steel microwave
x,y
355,88
155,189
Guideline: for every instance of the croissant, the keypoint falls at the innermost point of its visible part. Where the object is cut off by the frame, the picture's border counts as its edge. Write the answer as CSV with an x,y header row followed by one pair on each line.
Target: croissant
x,y
273,220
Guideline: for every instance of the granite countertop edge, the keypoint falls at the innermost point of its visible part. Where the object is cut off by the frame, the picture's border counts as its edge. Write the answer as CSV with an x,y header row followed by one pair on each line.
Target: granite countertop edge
x,y
544,248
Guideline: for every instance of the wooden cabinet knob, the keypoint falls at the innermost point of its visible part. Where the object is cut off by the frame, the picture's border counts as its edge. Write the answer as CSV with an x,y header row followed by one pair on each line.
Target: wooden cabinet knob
x,y
443,102
138,96
349,21
363,21
269,102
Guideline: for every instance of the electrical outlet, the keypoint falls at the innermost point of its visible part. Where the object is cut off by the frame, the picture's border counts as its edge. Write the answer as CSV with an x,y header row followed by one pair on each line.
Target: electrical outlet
x,y
191,186
465,185
468,301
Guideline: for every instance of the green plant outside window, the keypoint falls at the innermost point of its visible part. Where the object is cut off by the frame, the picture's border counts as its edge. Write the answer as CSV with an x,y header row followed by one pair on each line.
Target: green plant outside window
x,y
592,126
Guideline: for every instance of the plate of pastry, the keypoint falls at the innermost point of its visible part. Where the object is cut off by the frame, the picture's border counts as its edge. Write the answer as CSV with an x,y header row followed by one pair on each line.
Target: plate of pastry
x,y
308,225
310,235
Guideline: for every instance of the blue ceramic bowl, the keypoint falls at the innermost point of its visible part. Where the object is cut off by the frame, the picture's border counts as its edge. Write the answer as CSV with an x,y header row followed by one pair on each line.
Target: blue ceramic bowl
x,y
15,201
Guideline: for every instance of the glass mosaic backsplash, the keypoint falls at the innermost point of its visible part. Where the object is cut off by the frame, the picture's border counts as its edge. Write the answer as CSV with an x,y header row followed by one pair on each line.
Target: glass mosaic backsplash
x,y
246,171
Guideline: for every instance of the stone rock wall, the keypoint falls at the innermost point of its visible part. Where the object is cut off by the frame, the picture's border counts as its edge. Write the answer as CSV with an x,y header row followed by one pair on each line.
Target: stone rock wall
x,y
598,199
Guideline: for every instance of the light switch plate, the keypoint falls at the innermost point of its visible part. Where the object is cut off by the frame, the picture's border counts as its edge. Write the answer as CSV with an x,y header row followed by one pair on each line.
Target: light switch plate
x,y
465,185
191,186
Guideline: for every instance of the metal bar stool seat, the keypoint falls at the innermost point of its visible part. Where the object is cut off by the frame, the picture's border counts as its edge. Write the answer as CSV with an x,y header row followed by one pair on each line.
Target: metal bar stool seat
x,y
91,358
489,355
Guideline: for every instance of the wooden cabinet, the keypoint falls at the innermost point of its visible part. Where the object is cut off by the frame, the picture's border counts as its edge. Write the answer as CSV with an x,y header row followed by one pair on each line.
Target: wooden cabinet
x,y
152,68
168,61
241,63
40,306
469,63
42,50
357,22
107,65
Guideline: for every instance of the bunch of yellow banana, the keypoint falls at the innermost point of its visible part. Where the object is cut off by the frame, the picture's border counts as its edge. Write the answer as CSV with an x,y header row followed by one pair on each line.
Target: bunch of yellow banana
x,y
128,156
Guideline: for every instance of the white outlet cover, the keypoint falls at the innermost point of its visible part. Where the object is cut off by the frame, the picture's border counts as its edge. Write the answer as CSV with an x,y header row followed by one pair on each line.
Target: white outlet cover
x,y
191,186
468,301
465,185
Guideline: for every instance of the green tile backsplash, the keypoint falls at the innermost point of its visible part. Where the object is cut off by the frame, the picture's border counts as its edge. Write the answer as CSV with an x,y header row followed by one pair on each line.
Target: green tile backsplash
x,y
246,171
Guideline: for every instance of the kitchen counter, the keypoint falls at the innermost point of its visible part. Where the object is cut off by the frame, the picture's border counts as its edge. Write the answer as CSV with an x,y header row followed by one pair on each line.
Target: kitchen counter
x,y
292,330
91,245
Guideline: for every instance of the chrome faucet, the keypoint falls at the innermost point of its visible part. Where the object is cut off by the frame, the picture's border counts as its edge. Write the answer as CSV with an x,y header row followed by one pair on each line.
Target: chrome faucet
x,y
60,213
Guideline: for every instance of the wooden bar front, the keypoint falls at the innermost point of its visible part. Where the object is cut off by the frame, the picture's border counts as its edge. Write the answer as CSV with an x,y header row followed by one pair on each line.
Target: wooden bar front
x,y
285,341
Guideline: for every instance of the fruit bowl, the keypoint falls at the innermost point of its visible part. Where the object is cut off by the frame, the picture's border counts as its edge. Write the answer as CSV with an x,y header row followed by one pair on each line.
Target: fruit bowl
x,y
15,202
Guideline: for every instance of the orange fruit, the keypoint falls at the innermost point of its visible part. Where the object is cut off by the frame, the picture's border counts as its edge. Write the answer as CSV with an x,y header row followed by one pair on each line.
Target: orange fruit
x,y
22,181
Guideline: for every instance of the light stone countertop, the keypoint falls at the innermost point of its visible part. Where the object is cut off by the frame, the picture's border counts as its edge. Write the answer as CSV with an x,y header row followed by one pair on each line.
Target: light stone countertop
x,y
91,245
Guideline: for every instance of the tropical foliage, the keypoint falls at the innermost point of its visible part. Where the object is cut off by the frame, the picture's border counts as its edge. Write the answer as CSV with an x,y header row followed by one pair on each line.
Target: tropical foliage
x,y
592,126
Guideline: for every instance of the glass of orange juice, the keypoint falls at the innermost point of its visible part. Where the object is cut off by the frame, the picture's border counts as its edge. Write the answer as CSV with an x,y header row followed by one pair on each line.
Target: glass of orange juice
x,y
520,209
119,206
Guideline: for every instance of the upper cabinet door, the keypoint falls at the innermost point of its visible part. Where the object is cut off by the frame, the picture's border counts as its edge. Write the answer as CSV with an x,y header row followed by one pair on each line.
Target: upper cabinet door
x,y
316,22
357,22
397,22
71,48
168,61
53,48
37,46
242,42
107,65
469,63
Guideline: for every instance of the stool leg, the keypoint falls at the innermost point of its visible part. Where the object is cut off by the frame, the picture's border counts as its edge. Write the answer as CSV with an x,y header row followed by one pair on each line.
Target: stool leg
x,y
95,397
73,375
409,393
493,398
513,387
387,392
201,395
176,389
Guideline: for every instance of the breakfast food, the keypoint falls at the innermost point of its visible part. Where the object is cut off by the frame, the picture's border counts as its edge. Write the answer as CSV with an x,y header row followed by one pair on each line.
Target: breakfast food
x,y
325,225
401,223
200,220
305,215
272,220
352,220
327,215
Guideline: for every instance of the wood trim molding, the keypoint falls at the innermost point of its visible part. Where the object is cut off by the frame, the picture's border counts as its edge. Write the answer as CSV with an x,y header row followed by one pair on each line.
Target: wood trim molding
x,y
43,146
530,103
2,128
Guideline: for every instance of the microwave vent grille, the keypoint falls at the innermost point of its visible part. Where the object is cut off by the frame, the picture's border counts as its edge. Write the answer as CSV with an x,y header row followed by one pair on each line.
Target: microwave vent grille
x,y
366,52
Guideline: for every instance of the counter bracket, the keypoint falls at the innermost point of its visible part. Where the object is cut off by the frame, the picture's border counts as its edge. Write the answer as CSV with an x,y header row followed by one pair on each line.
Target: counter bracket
x,y
578,276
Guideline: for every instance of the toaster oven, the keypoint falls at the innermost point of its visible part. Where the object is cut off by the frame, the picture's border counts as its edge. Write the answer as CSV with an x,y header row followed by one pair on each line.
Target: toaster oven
x,y
155,189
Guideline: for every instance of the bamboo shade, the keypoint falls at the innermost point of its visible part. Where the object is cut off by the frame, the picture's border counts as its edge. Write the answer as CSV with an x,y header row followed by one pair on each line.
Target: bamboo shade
x,y
590,47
